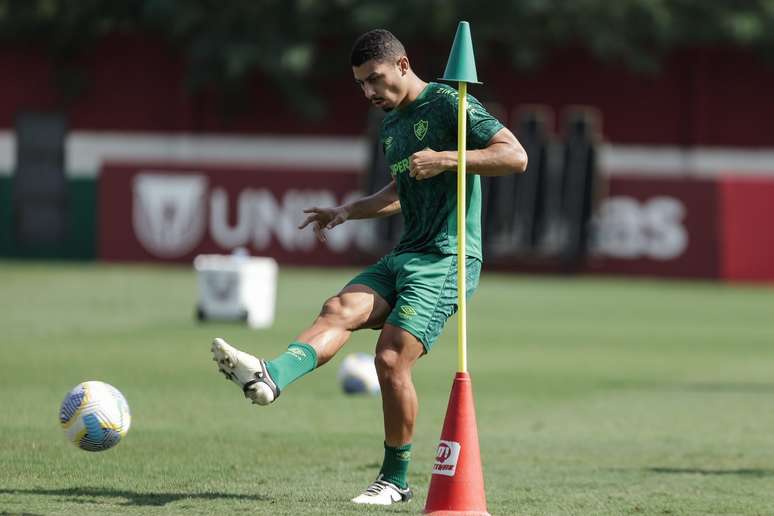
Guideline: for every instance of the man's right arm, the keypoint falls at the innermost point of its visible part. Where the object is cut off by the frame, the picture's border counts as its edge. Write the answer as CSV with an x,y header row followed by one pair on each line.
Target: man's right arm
x,y
383,203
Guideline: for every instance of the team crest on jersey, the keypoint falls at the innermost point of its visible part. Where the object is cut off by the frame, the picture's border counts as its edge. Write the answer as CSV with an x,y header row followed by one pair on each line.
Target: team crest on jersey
x,y
387,143
420,129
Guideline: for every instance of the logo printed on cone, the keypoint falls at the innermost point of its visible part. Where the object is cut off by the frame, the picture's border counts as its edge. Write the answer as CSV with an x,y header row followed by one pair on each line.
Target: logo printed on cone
x,y
446,458
443,452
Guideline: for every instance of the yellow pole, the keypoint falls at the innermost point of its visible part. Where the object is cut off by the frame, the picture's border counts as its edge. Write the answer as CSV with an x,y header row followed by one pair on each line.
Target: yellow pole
x,y
462,343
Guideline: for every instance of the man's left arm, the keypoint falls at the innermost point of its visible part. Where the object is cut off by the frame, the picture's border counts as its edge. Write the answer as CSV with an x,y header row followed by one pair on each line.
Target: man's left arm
x,y
502,155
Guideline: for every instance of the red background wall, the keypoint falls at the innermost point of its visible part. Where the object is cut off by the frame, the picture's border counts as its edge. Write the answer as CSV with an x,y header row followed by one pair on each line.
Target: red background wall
x,y
706,97
746,224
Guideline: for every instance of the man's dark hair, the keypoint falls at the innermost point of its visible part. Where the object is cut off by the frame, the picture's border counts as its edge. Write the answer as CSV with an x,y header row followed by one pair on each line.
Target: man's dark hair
x,y
376,44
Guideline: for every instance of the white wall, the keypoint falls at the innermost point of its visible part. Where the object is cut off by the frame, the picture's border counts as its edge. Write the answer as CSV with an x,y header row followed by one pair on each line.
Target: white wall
x,y
85,151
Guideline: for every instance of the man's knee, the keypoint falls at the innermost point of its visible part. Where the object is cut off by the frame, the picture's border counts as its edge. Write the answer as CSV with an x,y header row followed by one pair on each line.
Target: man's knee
x,y
333,307
387,362
394,374
395,355
338,312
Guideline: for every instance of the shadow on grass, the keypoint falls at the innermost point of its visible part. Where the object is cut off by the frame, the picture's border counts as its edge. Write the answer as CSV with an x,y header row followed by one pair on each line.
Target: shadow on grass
x,y
728,387
80,494
756,473
700,387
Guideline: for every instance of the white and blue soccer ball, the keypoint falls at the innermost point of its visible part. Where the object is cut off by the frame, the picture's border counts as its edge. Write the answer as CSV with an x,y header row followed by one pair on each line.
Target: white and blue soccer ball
x,y
95,416
357,374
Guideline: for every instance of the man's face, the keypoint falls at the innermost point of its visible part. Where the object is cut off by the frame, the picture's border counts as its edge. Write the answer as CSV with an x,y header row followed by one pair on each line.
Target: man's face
x,y
383,81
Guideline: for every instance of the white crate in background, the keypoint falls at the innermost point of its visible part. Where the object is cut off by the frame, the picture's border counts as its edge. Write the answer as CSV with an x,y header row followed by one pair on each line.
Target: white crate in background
x,y
236,287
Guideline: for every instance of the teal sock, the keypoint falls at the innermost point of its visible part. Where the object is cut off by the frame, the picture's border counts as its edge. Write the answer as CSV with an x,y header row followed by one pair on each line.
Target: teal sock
x,y
395,465
299,359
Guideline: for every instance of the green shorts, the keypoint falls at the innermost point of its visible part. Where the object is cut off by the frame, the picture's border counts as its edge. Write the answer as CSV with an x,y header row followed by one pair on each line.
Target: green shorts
x,y
421,288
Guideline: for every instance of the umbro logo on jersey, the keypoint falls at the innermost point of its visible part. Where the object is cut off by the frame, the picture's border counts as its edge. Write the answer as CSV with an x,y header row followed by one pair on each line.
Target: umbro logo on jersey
x,y
420,129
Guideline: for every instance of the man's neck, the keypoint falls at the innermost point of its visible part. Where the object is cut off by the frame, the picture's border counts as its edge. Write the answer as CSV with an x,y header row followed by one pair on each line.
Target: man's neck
x,y
416,86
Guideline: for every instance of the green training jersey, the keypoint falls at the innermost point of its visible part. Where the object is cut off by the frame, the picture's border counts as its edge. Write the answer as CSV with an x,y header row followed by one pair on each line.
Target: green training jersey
x,y
429,207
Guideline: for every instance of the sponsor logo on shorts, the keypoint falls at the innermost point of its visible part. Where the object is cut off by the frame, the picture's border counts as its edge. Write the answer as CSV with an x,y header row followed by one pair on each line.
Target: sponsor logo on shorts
x,y
446,458
407,312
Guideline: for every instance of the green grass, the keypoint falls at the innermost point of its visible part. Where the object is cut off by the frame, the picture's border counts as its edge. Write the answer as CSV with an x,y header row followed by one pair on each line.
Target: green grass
x,y
594,396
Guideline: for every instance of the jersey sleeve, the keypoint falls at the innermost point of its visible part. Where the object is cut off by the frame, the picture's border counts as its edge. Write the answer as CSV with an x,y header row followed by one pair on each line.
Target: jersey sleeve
x,y
481,125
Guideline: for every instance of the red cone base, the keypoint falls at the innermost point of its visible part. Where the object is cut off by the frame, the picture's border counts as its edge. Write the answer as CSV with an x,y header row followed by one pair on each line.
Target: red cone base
x,y
457,482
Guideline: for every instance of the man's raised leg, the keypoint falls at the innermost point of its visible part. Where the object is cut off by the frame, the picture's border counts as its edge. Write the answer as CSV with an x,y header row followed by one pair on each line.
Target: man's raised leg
x,y
354,308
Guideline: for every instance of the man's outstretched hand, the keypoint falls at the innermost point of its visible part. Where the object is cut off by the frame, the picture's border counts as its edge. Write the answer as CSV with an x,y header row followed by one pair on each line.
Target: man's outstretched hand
x,y
324,218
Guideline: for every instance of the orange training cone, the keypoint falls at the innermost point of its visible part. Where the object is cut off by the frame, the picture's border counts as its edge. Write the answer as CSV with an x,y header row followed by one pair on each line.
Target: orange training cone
x,y
457,482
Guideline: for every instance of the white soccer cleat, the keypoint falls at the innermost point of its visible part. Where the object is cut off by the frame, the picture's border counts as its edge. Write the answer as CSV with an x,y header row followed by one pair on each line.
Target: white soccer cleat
x,y
245,370
381,492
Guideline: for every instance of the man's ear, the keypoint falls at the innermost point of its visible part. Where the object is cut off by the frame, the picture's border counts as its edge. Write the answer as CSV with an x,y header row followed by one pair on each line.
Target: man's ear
x,y
403,65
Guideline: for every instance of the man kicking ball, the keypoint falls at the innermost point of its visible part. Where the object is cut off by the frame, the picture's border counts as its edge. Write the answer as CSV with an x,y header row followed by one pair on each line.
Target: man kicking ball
x,y
412,291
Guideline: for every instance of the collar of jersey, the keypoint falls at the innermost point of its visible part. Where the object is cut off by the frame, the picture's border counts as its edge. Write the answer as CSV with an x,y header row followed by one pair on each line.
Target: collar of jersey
x,y
411,106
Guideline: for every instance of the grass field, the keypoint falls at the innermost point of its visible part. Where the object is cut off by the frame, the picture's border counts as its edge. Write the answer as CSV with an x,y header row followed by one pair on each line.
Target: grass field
x,y
594,396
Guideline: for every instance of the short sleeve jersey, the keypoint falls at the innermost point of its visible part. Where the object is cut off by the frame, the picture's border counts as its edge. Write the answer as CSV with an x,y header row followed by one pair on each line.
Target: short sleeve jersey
x,y
429,206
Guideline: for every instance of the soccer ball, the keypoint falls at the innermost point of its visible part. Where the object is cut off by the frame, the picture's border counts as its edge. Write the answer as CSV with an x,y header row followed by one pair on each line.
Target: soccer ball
x,y
357,374
95,416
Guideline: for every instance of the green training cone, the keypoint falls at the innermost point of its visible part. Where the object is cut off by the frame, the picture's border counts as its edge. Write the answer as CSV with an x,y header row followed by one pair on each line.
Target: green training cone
x,y
461,66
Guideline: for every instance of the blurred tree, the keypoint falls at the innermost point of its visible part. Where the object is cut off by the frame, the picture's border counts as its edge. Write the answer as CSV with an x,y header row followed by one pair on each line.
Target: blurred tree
x,y
294,42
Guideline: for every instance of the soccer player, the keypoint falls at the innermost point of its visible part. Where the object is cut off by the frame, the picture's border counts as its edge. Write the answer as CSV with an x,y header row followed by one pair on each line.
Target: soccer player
x,y
411,292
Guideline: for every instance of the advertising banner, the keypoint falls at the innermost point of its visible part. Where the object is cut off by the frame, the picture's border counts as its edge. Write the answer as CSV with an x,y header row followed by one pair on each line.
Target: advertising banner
x,y
645,226
659,227
172,213
747,239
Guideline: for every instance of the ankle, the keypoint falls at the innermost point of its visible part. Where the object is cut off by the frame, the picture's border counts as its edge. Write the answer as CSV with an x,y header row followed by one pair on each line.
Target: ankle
x,y
396,463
